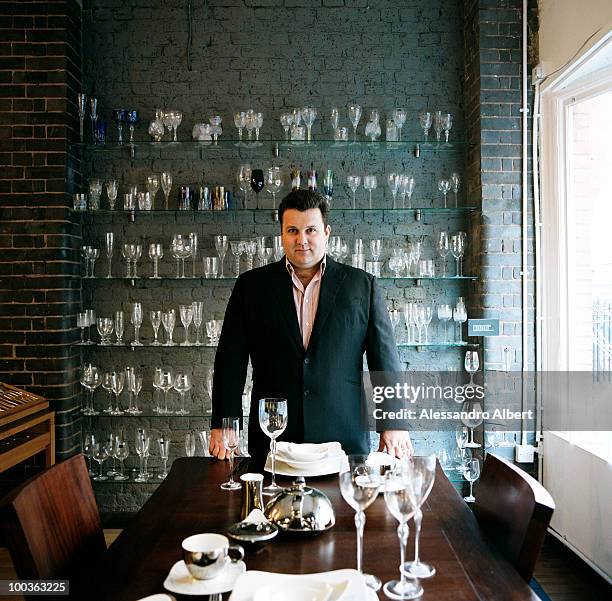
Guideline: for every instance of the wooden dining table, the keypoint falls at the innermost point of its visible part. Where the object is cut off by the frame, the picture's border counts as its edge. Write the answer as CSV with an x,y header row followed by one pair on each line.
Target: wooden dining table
x,y
189,501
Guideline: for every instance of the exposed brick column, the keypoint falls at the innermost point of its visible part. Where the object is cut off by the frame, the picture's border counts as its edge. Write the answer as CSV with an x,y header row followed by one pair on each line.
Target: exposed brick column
x,y
40,290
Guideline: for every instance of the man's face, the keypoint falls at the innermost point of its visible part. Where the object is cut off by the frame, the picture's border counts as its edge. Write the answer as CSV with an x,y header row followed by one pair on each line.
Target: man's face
x,y
304,237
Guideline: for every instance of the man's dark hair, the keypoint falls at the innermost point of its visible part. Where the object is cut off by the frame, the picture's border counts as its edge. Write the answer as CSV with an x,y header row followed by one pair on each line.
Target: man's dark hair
x,y
302,200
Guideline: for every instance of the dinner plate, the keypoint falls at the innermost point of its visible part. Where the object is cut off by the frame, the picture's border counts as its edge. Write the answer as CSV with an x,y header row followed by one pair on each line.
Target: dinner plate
x,y
180,581
320,468
158,597
347,585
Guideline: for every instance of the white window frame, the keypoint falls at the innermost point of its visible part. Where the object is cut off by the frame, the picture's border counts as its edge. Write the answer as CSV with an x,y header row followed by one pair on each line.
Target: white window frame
x,y
587,76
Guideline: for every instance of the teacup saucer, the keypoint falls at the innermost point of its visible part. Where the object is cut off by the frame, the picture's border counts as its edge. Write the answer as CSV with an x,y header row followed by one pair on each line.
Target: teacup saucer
x,y
180,581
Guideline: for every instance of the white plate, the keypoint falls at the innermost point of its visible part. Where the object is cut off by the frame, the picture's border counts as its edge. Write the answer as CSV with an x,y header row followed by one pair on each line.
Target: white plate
x,y
319,468
247,585
180,581
158,597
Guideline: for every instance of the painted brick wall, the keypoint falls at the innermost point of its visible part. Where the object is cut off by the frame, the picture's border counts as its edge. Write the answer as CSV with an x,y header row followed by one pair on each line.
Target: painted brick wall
x,y
39,265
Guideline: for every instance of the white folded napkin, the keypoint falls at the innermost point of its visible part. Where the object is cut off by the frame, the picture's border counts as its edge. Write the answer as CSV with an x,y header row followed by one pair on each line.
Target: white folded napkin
x,y
307,452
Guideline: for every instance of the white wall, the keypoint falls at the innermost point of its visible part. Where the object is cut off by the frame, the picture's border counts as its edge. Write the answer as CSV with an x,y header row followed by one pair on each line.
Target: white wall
x,y
566,24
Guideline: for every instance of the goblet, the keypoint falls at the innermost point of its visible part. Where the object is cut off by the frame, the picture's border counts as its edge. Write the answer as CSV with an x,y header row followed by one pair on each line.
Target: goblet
x,y
215,122
111,192
257,183
193,244
286,120
447,123
328,185
119,118
438,124
370,183
93,105
354,114
353,182
168,321
251,120
244,182
230,431
176,118
90,379
274,183
156,252
444,186
95,192
165,382
221,243
110,239
134,386
250,249
425,119
258,124
156,318
105,329
273,421
237,248
459,317
131,118
166,184
309,114
240,122
107,384
182,384
399,118
359,485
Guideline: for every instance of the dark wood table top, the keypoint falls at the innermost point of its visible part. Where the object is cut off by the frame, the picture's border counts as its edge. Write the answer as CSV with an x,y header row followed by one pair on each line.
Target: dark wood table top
x,y
190,501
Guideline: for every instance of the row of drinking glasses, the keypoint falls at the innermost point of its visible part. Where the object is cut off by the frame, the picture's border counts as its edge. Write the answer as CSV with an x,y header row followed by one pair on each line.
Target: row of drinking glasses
x,y
188,314
250,120
418,316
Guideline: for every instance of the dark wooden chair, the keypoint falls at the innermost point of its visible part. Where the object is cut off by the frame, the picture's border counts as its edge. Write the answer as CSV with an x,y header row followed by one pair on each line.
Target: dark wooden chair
x,y
514,511
52,527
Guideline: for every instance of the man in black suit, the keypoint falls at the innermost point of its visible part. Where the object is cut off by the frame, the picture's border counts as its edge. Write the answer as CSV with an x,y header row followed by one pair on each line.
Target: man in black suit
x,y
305,322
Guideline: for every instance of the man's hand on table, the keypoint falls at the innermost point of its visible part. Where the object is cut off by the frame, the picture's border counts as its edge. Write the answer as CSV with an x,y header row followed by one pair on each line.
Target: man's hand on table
x,y
396,442
216,447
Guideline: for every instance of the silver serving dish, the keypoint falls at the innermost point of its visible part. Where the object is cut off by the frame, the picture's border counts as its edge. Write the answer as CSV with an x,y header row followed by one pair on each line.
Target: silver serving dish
x,y
301,510
252,536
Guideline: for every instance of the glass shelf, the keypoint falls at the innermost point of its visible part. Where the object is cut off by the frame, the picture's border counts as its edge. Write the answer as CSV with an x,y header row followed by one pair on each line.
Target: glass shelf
x,y
233,278
178,345
167,149
456,344
172,416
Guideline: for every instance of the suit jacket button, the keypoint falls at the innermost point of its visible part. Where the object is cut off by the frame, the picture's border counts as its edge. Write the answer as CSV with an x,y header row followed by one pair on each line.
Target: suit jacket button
x,y
306,392
306,361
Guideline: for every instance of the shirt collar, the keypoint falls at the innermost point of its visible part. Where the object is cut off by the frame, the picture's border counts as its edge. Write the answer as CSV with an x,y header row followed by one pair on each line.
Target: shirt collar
x,y
322,266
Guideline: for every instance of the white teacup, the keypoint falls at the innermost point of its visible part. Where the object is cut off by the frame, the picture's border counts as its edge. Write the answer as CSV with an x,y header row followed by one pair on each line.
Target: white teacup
x,y
206,555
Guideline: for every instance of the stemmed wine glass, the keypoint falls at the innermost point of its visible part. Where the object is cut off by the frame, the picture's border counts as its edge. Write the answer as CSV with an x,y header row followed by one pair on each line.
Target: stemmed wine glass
x,y
166,184
401,502
471,474
231,439
273,421
257,183
143,441
471,365
90,379
110,239
447,123
168,321
165,382
107,384
119,118
186,313
117,382
444,186
425,122
393,179
190,443
221,243
423,473
244,182
370,183
309,114
100,455
274,183
334,117
88,448
182,384
455,181
353,182
198,316
354,114
286,120
111,192
152,186
164,454
438,124
406,188
359,484
156,252
445,313
239,122
399,118
136,319
459,317
156,317
81,107
472,411
122,452
457,249
442,246
237,247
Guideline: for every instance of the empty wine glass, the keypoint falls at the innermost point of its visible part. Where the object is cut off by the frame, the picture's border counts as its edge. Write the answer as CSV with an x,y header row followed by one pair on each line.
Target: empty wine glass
x,y
257,183
190,444
438,124
334,117
105,329
156,252
274,183
401,502
444,186
122,452
110,239
286,120
376,248
156,317
107,384
100,455
273,421
471,474
221,243
237,248
309,114
359,485
165,382
90,379
240,122
117,382
354,114
111,192
399,118
164,455
135,387
459,317
442,247
457,249
353,182
455,181
136,320
82,108
168,321
182,384
244,182
445,314
370,183
166,184
406,188
143,441
447,123
425,119
152,186
186,313
471,365
230,432
393,180
89,442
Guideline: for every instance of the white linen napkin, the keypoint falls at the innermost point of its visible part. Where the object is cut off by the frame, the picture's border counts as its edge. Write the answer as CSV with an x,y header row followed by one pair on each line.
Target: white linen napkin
x,y
307,452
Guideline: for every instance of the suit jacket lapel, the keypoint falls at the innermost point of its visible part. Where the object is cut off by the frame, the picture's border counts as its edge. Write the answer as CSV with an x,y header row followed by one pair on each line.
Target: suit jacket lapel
x,y
330,284
284,295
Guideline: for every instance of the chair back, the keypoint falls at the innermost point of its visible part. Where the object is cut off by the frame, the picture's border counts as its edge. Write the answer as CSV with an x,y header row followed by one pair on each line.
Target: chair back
x,y
514,511
51,524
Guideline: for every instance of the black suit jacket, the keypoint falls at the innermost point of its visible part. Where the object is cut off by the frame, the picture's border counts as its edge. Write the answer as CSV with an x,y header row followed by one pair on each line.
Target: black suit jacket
x,y
322,383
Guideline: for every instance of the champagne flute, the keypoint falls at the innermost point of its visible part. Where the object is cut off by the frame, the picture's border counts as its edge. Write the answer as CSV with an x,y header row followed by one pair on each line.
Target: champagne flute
x,y
111,192
152,186
198,316
401,502
186,314
455,184
156,317
136,319
273,421
118,382
457,249
359,484
143,441
164,455
221,243
190,444
231,439
166,183
471,474
182,384
110,239
168,321
354,113
442,246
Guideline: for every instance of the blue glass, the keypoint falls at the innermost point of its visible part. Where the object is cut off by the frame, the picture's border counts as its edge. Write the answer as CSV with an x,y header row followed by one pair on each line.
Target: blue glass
x,y
131,117
100,132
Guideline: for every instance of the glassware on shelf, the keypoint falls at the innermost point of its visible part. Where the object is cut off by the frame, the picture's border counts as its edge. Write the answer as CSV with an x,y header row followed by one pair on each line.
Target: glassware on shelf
x,y
240,122
122,452
152,187
166,184
136,321
471,474
215,123
370,183
198,316
164,455
274,183
399,118
134,383
438,124
372,128
406,188
359,485
257,183
309,114
182,385
277,247
193,245
211,267
110,241
209,377
471,364
90,379
393,181
82,324
334,117
273,422
251,120
244,182
286,120
168,321
354,114
186,314
190,443
460,317
457,249
445,314
443,250
472,410
100,455
165,382
444,186
111,193
447,123
105,329
425,121
119,118
81,108
107,384
89,441
131,118
237,247
156,318
455,181
117,382
230,432
353,182
221,244
328,185
156,252
91,320
143,441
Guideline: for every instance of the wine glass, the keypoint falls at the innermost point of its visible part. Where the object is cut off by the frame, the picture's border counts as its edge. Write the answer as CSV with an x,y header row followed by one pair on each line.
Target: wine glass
x,y
359,484
190,443
471,474
152,186
399,118
406,188
442,247
186,313
447,123
393,180
88,448
182,384
198,315
82,108
459,317
286,120
354,114
471,365
164,455
165,381
244,182
221,243
166,184
117,382
111,192
107,384
444,186
143,440
370,183
136,320
122,452
240,122
445,313
457,249
168,321
401,502
135,387
257,183
110,240
100,455
230,431
472,411
273,421
156,252
438,124
274,183
425,122
119,116
353,182
455,181
423,473
309,114
90,379
156,317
